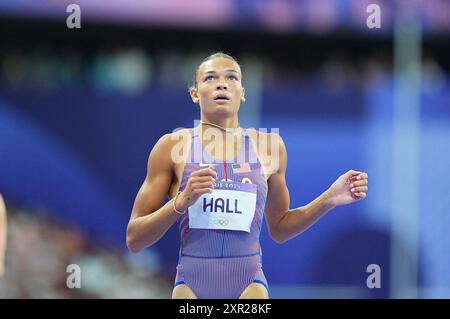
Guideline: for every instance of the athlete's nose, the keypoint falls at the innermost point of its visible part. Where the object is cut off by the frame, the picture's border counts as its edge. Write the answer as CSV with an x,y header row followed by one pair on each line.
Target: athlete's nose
x,y
221,85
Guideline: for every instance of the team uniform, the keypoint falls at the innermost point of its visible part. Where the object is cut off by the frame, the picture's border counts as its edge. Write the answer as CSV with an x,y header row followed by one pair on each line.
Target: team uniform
x,y
220,253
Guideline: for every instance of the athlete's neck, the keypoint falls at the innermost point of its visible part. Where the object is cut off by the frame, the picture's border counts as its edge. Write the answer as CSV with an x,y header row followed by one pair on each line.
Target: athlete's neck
x,y
225,125
225,136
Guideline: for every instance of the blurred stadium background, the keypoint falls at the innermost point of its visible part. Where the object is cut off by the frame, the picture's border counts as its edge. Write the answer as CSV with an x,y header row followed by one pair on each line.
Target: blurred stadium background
x,y
80,109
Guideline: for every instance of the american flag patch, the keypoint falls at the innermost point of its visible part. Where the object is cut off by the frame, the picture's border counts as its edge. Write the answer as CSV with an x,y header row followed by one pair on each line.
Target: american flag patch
x,y
241,168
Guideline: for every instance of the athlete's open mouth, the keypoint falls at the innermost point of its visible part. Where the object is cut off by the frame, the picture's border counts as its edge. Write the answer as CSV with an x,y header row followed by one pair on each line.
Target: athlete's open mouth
x,y
221,97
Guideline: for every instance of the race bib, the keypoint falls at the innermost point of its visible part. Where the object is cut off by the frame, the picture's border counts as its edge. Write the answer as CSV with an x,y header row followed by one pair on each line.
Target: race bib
x,y
230,206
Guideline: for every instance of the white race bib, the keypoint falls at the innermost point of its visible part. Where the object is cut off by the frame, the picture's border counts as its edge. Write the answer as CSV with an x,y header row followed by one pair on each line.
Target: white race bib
x,y
230,206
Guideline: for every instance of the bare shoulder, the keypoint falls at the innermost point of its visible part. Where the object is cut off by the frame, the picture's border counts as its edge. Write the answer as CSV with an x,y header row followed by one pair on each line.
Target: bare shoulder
x,y
171,144
266,142
270,149
180,134
171,139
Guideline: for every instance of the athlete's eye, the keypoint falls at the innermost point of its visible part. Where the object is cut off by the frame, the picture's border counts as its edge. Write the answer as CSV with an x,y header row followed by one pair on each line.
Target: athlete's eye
x,y
209,78
233,77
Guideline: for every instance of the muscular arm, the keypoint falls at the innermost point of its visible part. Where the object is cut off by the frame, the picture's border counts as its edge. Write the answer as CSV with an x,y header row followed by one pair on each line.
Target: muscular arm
x,y
284,223
2,235
149,219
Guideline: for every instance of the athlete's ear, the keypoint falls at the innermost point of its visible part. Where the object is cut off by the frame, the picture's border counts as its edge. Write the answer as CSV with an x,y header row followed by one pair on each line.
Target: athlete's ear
x,y
243,95
193,92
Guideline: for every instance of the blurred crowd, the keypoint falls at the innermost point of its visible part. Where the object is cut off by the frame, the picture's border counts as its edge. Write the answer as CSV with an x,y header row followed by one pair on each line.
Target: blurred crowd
x,y
132,69
40,249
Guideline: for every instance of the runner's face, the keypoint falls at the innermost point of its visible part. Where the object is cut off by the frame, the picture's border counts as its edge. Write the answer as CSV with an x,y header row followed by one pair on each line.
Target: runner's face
x,y
219,87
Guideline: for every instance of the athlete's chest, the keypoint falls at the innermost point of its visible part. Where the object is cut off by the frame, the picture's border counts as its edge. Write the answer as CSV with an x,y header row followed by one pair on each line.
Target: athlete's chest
x,y
254,170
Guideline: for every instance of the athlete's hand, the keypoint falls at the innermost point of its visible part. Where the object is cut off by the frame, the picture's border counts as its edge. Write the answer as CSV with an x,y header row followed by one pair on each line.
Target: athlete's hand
x,y
348,188
200,182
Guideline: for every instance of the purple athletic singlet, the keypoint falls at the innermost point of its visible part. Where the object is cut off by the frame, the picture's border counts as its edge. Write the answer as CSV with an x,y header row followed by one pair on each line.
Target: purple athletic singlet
x,y
221,263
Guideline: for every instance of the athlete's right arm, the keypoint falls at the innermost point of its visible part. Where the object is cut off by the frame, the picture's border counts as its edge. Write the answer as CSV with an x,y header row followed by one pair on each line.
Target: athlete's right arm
x,y
149,219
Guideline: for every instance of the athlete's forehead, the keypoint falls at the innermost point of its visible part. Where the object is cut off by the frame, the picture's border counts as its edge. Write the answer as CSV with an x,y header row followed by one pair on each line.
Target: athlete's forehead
x,y
218,65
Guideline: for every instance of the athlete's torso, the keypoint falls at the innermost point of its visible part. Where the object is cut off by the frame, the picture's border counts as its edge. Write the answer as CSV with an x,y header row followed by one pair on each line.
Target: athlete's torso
x,y
220,242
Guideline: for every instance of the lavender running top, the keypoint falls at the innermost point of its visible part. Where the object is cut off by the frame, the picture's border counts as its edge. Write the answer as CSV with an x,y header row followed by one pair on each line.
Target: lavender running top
x,y
212,243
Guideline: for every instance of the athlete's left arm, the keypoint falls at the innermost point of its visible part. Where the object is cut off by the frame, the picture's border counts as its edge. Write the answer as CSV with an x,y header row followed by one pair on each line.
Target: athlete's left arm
x,y
284,223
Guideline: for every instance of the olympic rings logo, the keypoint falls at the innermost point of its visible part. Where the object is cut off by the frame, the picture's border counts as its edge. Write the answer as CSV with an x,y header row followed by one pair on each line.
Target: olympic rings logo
x,y
221,222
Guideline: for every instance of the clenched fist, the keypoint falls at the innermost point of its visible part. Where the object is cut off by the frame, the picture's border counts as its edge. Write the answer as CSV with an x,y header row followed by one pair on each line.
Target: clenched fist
x,y
200,182
348,188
